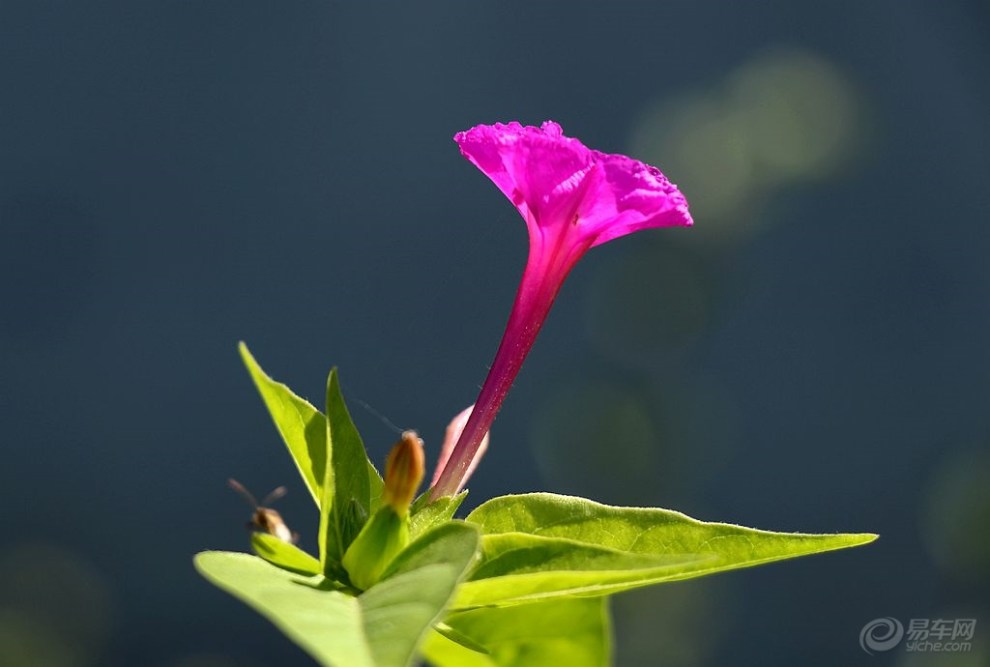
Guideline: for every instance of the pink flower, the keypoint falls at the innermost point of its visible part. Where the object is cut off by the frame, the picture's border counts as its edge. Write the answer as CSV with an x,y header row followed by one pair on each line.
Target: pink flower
x,y
572,198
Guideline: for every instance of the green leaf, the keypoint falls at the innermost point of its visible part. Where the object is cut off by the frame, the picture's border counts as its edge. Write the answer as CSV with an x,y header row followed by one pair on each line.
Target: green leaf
x,y
284,555
349,477
381,627
326,623
543,545
301,426
522,553
328,534
455,542
425,515
572,632
520,568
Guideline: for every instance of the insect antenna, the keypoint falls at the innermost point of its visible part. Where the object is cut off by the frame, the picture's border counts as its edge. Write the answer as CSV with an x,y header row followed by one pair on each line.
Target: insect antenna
x,y
274,495
247,495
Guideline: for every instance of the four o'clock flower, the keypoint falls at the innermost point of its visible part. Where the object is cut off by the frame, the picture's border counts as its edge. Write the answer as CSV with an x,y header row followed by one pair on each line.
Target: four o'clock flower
x,y
572,199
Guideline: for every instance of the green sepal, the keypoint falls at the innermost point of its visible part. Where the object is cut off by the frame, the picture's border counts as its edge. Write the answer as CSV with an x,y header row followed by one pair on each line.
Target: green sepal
x,y
425,515
378,543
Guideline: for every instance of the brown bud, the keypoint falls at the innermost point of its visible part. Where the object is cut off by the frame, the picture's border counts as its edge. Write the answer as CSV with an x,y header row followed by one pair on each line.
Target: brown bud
x,y
404,470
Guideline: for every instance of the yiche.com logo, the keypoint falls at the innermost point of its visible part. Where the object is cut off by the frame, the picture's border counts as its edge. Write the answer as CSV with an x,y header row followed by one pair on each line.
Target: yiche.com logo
x,y
881,634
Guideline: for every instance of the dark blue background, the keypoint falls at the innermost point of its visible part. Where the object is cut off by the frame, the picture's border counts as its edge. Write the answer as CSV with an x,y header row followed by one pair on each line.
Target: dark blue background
x,y
176,176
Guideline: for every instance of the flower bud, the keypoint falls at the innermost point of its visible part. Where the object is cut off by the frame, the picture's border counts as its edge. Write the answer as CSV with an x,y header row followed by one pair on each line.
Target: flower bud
x,y
404,470
387,532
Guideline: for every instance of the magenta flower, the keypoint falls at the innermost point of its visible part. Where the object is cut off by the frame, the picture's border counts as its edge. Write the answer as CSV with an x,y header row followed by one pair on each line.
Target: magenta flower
x,y
572,198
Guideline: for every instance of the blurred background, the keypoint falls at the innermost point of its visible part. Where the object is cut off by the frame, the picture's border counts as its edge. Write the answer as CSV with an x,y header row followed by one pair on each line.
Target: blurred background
x,y
813,355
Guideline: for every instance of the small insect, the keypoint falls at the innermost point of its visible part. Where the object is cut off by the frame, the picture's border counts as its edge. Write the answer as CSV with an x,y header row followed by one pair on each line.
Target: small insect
x,y
265,519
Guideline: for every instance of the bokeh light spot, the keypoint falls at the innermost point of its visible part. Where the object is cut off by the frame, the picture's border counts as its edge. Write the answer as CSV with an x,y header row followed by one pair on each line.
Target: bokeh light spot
x,y
785,116
597,440
55,609
957,515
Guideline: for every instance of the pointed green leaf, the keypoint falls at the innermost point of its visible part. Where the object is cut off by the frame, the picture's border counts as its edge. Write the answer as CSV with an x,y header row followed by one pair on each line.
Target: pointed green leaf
x,y
301,426
381,627
350,473
540,545
328,536
426,515
572,632
284,555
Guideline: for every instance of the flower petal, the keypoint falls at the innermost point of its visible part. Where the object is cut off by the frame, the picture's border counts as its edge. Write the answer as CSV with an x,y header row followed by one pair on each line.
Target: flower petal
x,y
484,145
552,178
635,196
539,169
